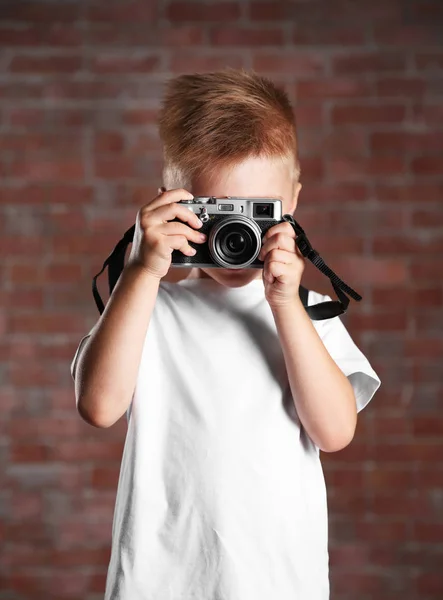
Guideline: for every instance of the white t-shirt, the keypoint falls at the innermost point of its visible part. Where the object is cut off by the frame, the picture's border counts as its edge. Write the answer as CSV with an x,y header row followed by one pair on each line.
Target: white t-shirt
x,y
221,493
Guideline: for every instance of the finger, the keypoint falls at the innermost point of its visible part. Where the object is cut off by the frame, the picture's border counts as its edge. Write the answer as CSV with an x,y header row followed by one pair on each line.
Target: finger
x,y
179,242
172,211
281,256
176,228
285,228
276,270
280,272
278,241
168,197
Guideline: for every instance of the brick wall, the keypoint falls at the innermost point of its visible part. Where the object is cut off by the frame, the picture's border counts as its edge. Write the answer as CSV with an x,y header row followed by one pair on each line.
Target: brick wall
x,y
79,89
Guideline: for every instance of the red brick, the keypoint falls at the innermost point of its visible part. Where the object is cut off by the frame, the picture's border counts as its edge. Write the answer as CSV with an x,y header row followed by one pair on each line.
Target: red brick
x,y
88,450
333,244
122,12
143,35
427,271
312,169
178,12
428,532
367,114
186,62
354,501
21,556
297,64
140,116
105,477
390,428
378,321
389,34
346,142
417,142
408,297
84,557
427,165
340,193
26,117
364,220
245,36
383,477
69,144
27,299
98,582
430,583
144,144
372,270
425,9
49,12
271,11
427,114
328,35
405,245
429,60
45,64
383,531
82,245
403,452
432,192
311,115
117,63
25,453
48,170
350,555
411,87
51,36
115,168
307,13
45,323
108,141
333,88
432,217
349,169
368,62
355,581
428,426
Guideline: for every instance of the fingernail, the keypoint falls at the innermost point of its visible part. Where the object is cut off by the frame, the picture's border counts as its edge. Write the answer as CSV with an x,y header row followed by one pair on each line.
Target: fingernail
x,y
202,236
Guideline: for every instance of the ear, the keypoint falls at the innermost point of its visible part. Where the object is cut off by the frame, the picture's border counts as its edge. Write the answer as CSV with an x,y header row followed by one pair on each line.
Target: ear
x,y
297,188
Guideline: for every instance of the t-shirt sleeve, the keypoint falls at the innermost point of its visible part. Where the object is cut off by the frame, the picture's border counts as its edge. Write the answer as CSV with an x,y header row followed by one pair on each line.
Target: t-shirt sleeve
x,y
349,358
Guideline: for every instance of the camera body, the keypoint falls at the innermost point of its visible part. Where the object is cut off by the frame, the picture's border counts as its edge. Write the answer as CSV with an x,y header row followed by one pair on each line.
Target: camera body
x,y
234,226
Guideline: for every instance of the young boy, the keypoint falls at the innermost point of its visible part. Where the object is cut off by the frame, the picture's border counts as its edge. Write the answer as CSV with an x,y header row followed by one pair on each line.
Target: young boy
x,y
230,388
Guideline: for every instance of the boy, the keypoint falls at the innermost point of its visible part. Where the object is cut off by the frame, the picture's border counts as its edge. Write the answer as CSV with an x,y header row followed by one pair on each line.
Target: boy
x,y
230,389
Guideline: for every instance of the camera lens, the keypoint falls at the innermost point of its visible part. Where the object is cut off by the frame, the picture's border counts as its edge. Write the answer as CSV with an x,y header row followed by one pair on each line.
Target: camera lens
x,y
235,242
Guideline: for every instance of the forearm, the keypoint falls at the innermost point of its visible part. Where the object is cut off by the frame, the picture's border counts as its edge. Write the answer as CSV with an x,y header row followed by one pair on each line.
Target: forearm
x,y
323,396
108,365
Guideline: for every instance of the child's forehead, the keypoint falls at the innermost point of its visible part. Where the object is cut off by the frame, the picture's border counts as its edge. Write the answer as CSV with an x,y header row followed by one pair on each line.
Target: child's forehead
x,y
267,177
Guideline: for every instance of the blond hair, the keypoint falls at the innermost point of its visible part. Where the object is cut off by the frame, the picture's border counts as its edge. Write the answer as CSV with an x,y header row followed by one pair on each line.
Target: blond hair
x,y
208,120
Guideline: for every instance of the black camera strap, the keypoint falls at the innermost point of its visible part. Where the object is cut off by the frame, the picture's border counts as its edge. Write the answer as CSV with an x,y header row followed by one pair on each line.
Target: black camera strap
x,y
317,312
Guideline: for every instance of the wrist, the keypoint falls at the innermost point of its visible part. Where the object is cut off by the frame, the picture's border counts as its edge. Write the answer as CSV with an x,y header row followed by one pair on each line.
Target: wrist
x,y
290,307
138,272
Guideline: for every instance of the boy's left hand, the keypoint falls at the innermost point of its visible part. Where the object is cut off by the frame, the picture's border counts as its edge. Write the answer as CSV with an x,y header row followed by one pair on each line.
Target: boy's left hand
x,y
283,265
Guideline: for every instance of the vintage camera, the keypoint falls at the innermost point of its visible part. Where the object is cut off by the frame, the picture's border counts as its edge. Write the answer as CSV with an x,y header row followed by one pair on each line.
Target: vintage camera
x,y
234,227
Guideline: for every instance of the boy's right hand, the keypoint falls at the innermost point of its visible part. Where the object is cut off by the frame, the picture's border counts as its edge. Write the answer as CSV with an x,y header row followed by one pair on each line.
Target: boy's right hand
x,y
155,237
